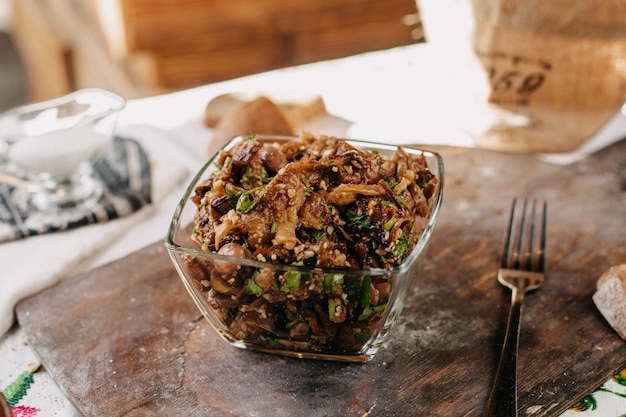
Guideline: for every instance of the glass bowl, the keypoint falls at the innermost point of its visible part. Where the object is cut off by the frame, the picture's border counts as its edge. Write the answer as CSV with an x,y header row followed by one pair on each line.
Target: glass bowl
x,y
302,307
49,148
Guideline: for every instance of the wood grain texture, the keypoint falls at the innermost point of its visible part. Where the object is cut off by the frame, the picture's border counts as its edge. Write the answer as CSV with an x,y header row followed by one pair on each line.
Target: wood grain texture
x,y
126,339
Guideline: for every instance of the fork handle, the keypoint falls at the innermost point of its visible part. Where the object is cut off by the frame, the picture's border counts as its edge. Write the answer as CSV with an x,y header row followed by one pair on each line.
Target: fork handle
x,y
503,398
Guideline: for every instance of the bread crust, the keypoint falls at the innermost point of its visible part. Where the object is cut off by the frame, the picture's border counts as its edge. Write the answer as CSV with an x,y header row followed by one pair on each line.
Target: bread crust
x,y
259,116
610,298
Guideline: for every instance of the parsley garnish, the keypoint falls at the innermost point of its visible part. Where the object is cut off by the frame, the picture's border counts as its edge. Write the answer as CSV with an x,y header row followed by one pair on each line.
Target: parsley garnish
x,y
391,182
356,221
317,235
402,245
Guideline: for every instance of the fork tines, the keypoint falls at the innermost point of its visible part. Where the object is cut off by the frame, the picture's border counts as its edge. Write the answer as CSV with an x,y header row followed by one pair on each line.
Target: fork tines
x,y
524,245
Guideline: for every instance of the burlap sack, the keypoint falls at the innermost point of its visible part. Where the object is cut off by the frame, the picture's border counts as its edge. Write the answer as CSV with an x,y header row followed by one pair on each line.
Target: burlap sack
x,y
554,71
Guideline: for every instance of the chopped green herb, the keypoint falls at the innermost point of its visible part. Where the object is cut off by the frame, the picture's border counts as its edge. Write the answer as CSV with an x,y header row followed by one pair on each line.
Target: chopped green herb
x,y
273,227
230,193
251,190
265,177
386,203
370,311
365,291
245,204
366,314
292,281
233,197
391,182
402,245
380,308
331,309
317,235
252,288
358,221
227,162
402,202
352,287
293,323
245,179
331,281
362,337
390,223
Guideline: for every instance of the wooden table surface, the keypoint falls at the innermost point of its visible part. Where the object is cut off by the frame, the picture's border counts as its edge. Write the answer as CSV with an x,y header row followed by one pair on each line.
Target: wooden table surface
x,y
126,339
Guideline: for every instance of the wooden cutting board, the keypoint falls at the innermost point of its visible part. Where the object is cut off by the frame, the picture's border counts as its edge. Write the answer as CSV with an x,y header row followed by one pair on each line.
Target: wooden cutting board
x,y
126,339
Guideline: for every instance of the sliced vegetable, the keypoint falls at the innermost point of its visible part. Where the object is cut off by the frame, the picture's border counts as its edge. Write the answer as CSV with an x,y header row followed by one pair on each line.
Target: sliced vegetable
x,y
390,223
292,281
332,309
365,291
332,281
366,314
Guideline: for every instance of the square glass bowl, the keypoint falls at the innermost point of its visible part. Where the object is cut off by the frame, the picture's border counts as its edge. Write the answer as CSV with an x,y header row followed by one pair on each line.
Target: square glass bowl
x,y
338,313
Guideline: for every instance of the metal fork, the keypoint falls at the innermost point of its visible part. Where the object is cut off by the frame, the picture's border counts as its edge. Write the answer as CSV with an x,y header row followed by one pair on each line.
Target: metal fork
x,y
522,268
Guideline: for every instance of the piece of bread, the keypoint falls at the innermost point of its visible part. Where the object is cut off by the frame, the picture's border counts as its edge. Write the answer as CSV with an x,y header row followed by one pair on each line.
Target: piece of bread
x,y
297,108
610,298
259,116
